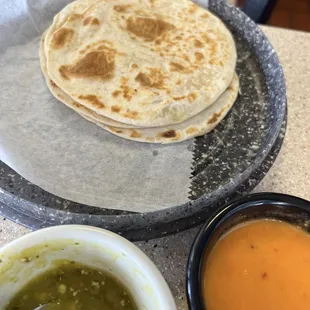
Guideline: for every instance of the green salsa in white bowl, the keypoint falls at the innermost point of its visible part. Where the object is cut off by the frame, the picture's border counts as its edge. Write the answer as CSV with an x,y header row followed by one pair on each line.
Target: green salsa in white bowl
x,y
79,267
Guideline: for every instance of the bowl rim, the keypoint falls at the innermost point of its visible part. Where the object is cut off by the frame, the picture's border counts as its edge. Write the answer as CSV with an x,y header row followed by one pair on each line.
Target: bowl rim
x,y
204,234
147,266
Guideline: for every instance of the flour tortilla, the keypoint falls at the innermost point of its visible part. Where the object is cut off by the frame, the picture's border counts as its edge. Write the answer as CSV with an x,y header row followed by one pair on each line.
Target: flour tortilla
x,y
68,101
133,63
195,126
79,6
198,125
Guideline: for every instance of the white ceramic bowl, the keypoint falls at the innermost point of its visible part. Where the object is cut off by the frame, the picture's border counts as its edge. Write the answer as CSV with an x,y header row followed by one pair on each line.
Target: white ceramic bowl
x,y
28,256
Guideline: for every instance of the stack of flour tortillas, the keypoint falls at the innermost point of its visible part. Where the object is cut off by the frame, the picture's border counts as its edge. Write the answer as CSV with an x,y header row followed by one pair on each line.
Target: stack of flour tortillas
x,y
157,71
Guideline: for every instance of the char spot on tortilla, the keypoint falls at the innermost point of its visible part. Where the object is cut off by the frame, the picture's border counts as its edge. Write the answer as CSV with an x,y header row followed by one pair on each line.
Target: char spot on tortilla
x,y
61,37
97,64
122,8
134,134
147,28
53,83
154,78
214,117
198,43
91,21
198,56
131,114
93,100
191,130
115,108
116,93
178,98
169,134
176,67
191,97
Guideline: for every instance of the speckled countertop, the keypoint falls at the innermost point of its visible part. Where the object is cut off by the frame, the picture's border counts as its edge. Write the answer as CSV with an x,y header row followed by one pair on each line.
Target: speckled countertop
x,y
290,173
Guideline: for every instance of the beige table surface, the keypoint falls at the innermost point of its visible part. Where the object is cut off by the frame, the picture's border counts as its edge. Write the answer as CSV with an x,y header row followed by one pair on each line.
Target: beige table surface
x,y
290,173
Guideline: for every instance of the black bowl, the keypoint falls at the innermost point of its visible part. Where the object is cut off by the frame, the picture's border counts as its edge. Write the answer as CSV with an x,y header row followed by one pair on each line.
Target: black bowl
x,y
256,206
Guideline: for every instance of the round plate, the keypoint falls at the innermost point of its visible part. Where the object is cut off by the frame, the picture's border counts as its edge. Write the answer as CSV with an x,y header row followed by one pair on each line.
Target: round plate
x,y
229,161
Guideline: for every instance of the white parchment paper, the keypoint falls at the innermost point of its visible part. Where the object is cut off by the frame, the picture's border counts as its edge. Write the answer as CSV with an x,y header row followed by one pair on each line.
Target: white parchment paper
x,y
54,148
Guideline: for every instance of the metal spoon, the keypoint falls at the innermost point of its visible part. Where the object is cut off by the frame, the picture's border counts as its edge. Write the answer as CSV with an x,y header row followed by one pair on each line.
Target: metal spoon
x,y
49,307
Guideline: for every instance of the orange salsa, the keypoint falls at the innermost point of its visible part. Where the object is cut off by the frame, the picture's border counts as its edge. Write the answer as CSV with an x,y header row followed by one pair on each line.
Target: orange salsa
x,y
261,265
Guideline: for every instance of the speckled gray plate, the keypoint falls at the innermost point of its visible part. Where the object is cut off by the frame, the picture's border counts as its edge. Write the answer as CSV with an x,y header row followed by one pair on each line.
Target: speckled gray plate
x,y
229,161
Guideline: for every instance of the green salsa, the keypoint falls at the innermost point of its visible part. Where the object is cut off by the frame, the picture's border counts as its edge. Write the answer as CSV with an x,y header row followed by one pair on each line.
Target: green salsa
x,y
72,286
